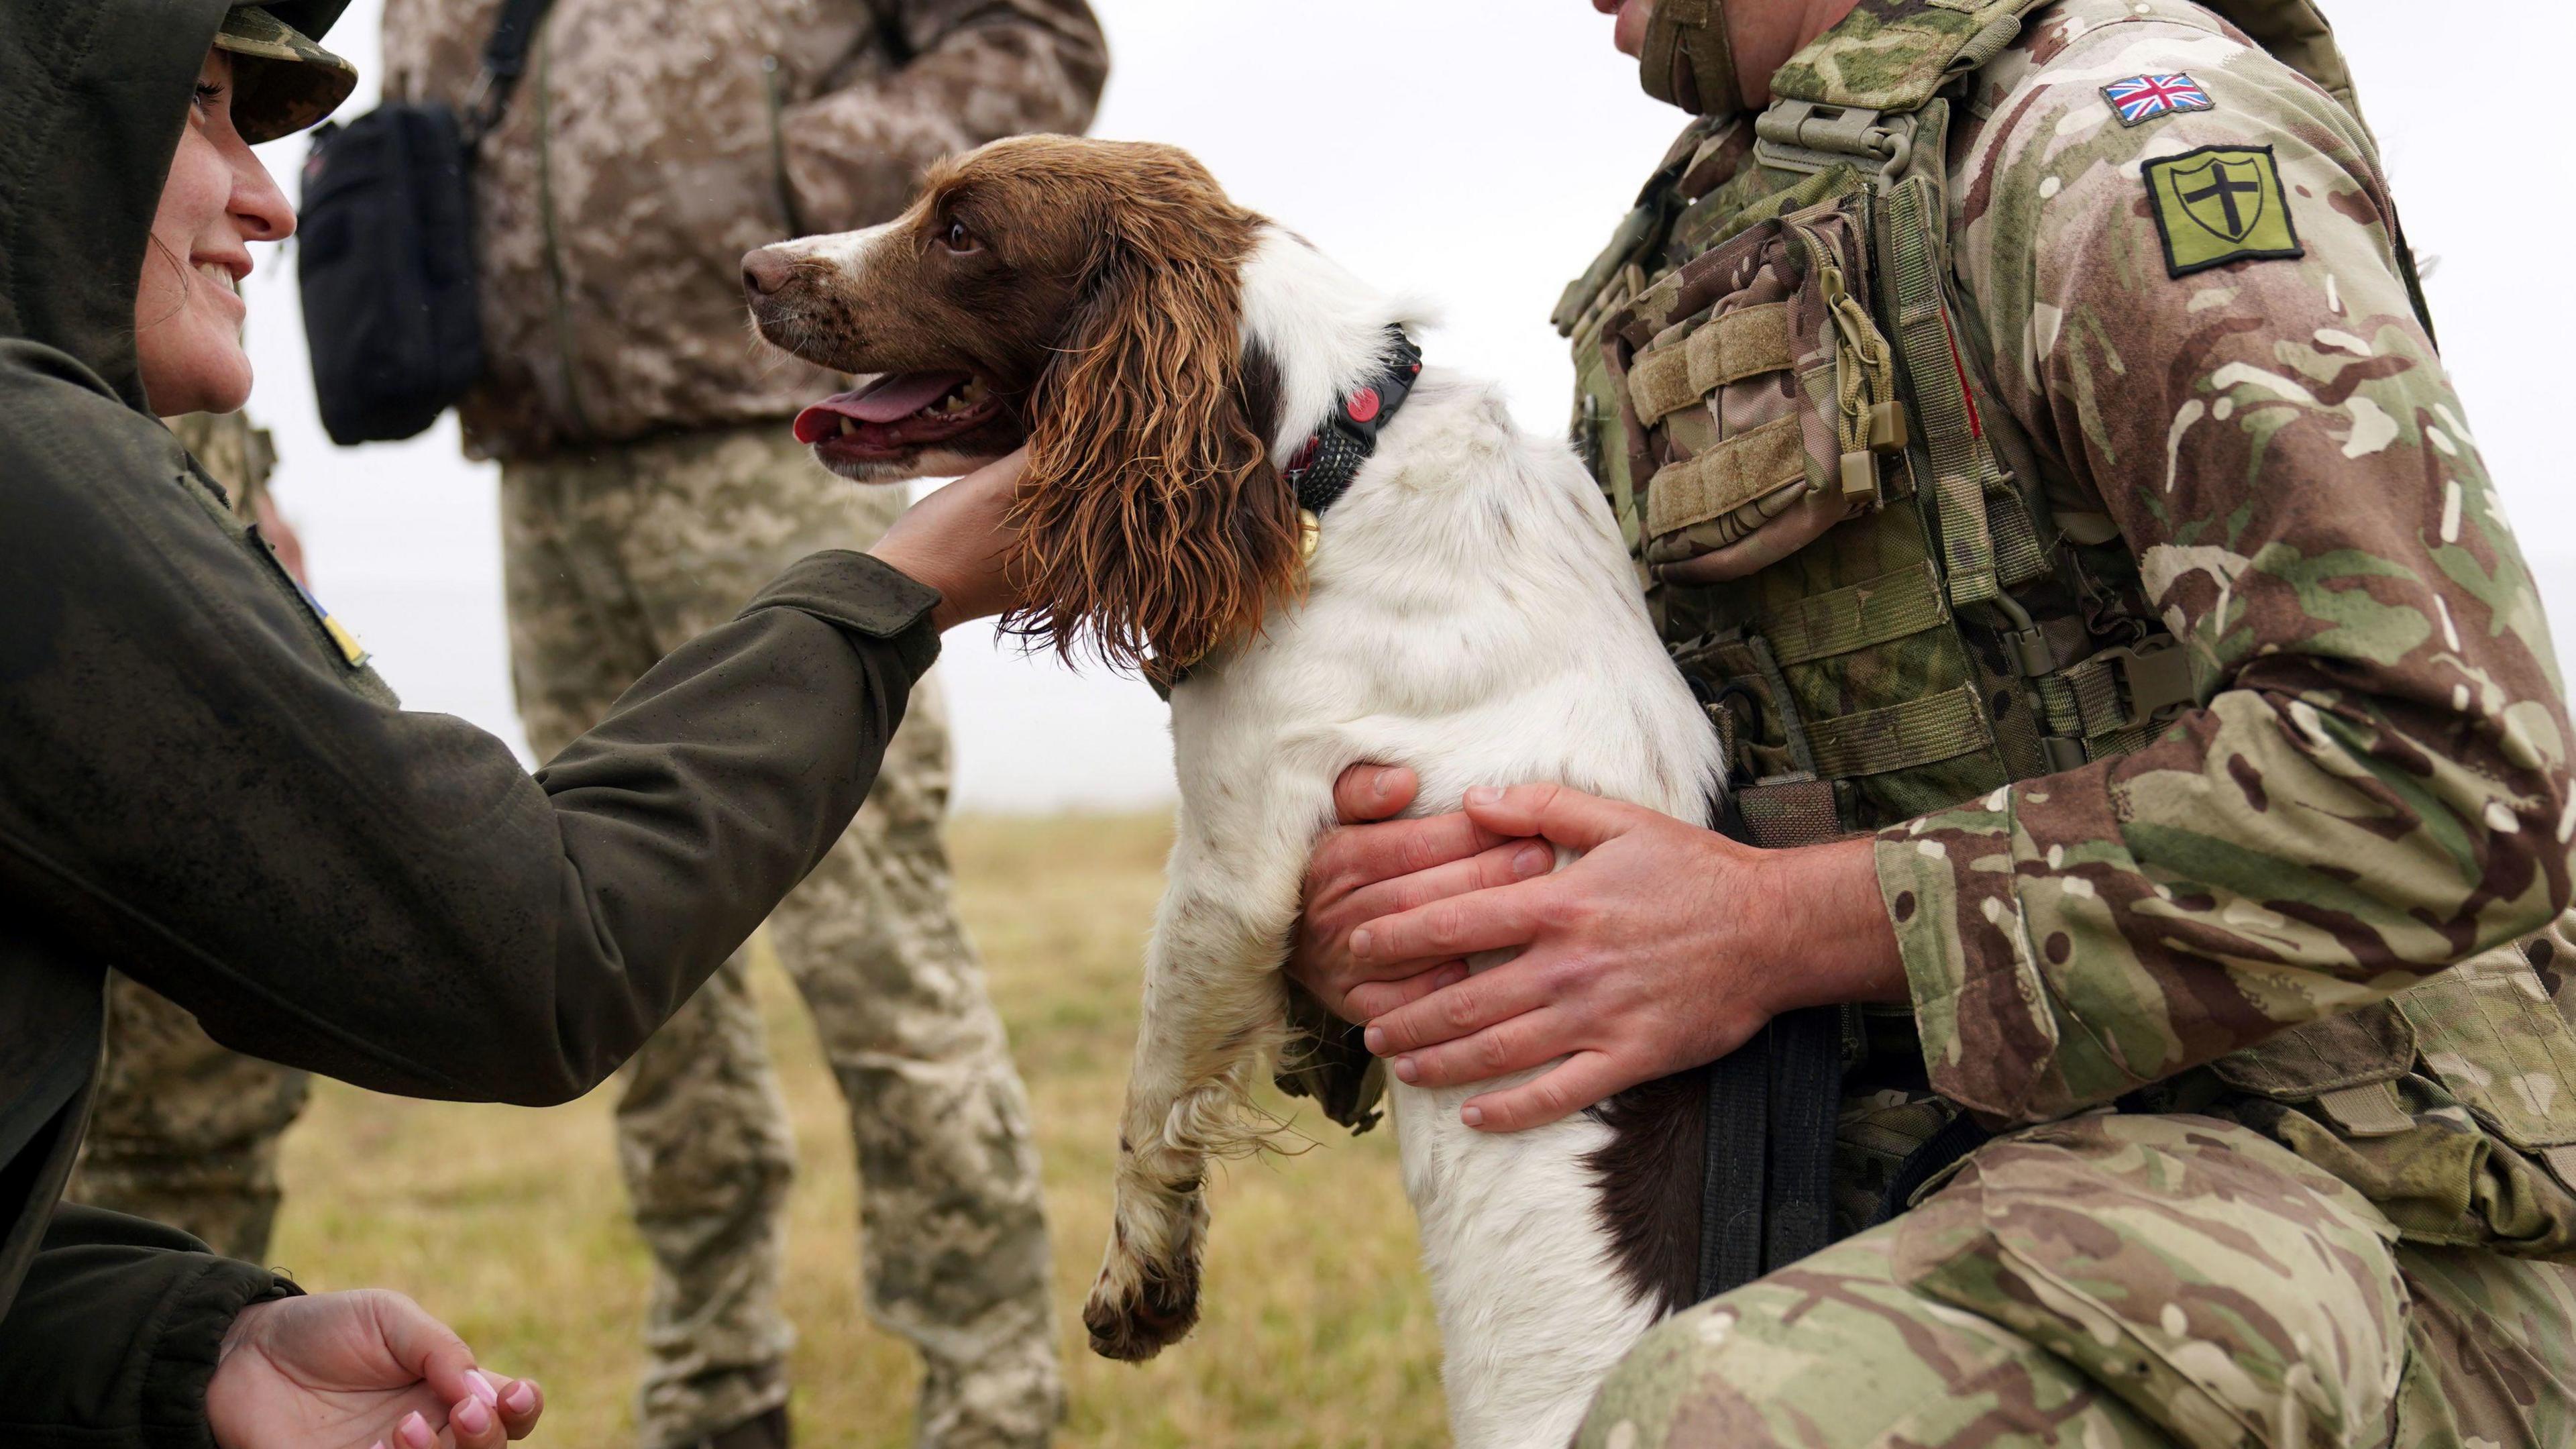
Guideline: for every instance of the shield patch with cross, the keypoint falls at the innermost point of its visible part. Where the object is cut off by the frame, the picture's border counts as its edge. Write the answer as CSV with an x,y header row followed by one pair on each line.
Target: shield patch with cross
x,y
2220,204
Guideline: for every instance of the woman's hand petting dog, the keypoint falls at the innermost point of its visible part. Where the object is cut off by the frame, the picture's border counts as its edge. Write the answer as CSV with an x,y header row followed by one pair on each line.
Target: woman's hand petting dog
x,y
1664,947
955,539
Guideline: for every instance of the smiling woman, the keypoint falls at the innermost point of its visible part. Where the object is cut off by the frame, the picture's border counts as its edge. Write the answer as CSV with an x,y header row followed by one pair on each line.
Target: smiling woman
x,y
188,309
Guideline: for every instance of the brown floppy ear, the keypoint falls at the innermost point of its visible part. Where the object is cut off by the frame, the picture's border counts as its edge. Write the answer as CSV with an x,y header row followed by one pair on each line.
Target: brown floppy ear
x,y
1152,524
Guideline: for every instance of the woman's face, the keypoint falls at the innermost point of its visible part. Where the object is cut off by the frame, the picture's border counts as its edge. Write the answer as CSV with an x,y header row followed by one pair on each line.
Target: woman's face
x,y
188,311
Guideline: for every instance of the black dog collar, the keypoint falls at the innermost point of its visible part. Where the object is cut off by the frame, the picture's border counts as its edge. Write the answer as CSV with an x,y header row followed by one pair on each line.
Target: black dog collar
x,y
1323,469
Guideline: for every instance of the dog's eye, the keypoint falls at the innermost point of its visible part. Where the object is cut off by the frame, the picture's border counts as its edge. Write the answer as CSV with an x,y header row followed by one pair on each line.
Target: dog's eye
x,y
959,240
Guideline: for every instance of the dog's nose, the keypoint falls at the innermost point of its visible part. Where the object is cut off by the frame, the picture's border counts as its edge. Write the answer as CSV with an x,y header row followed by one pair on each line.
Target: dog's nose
x,y
764,270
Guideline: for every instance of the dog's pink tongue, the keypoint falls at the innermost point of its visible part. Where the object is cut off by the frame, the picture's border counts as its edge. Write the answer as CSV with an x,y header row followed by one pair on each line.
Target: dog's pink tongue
x,y
889,399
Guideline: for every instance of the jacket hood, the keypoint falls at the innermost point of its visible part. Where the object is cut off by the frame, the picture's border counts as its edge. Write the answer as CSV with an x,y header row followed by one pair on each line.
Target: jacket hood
x,y
93,94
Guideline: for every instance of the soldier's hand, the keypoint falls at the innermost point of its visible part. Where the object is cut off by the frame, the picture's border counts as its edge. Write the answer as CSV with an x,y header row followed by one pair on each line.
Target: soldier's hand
x,y
954,540
364,1370
1664,947
1367,869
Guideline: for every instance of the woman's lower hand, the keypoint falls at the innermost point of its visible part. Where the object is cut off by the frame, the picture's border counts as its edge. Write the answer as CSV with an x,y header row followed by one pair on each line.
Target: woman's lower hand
x,y
363,1370
955,540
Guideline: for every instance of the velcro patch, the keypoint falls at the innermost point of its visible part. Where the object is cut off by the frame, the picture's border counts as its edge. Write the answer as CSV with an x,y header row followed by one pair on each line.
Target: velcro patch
x,y
2145,97
2220,204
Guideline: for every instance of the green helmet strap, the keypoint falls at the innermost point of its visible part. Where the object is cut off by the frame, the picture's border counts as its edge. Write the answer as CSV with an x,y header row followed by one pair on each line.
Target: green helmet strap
x,y
1687,60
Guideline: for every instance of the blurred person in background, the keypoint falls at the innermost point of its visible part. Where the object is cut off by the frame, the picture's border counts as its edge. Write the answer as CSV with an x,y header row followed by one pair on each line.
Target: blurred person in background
x,y
650,483
185,1130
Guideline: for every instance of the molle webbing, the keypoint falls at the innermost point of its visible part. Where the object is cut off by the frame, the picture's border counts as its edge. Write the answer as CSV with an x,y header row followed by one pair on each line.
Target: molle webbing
x,y
1741,344
1726,477
1900,736
1785,813
1856,616
1946,417
2087,701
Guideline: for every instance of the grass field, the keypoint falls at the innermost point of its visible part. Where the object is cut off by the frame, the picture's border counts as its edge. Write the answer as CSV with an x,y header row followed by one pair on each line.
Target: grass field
x,y
512,1224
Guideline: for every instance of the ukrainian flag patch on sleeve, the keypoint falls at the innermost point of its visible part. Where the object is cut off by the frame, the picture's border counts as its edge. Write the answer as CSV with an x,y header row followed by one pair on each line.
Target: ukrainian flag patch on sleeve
x,y
2220,204
350,649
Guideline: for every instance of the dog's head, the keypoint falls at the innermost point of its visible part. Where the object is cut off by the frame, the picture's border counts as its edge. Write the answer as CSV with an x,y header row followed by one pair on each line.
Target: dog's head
x,y
1085,298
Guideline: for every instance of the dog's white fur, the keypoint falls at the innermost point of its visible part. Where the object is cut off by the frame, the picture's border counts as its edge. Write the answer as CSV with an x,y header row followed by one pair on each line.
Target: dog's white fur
x,y
1472,614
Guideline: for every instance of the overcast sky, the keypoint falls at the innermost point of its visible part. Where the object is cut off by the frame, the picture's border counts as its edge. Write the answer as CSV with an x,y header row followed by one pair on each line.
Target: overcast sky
x,y
1479,152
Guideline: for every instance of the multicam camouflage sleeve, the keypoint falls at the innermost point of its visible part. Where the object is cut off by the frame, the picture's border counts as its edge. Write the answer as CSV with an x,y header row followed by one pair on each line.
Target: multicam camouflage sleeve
x,y
2202,313
979,70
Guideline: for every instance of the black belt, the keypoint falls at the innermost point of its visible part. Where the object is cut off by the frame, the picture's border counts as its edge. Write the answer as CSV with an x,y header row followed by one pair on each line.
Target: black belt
x,y
1766,1197
1321,470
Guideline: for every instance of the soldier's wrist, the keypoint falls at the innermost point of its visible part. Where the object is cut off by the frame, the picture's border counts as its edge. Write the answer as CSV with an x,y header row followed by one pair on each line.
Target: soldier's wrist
x,y
1828,941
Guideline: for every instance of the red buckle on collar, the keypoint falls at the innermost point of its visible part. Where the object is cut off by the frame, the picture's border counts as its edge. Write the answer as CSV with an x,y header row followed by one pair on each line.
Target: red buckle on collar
x,y
1363,405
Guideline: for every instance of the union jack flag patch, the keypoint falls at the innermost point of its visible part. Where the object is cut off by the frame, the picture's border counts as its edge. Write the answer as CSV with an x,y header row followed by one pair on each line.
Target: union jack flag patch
x,y
2145,97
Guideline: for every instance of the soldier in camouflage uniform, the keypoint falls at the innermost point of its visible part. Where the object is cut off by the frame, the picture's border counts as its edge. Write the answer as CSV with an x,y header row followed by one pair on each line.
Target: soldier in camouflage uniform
x,y
2036,453
649,486
184,1131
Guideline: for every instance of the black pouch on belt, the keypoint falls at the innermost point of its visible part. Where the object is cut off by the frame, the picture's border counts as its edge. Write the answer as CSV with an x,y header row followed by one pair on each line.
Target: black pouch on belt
x,y
386,264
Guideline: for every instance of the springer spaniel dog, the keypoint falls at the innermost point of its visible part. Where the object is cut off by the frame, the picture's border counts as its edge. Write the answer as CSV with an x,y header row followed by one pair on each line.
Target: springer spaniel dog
x,y
1452,596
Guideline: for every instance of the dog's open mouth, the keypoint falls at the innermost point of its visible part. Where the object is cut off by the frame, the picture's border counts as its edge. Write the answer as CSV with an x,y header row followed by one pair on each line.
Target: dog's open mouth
x,y
898,413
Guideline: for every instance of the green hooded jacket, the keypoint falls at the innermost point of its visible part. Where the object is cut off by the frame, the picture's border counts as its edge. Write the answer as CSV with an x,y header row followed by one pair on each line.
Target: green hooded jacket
x,y
198,788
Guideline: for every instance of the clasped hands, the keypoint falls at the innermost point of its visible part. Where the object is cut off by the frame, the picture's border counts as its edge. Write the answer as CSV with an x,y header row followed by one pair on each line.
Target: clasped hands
x,y
1663,947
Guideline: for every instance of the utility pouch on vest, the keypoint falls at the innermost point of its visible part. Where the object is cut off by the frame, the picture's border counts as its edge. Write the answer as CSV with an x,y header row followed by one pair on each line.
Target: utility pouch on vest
x,y
2494,1038
2452,1105
1765,395
2345,1065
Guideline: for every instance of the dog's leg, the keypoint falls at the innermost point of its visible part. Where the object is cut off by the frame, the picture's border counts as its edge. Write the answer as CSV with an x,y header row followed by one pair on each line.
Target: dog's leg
x,y
1524,1271
1214,1008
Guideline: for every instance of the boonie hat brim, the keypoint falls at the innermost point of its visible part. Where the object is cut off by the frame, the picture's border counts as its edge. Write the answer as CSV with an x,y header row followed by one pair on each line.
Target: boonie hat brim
x,y
282,82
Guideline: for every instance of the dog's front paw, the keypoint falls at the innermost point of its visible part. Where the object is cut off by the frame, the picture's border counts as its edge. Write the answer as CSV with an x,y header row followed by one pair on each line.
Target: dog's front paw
x,y
1147,1295
1134,1322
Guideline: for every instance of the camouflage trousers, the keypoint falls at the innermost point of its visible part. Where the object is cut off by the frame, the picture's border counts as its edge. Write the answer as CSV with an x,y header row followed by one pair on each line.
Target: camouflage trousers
x,y
613,558
2117,1282
185,1132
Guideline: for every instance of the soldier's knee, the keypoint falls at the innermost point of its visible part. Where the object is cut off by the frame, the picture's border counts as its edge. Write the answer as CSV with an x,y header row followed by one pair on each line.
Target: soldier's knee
x,y
2225,1290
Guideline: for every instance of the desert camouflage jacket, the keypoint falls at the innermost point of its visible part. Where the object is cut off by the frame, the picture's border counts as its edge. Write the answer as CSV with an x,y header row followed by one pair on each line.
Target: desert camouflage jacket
x,y
2175,273
651,144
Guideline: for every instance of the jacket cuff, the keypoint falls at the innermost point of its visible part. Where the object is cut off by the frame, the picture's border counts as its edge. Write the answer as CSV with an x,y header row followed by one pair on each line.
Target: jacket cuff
x,y
1920,893
863,595
1981,1007
116,1332
182,1348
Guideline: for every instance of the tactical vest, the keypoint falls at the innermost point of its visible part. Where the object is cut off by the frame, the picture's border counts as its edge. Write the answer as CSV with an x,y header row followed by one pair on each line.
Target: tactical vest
x,y
1854,559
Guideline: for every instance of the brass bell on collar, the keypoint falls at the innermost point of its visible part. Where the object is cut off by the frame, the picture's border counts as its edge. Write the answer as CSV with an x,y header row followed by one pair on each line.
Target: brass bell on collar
x,y
1310,532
